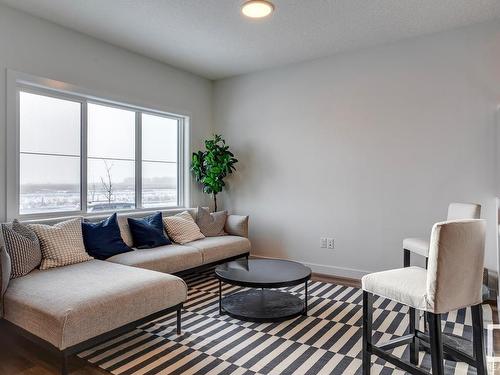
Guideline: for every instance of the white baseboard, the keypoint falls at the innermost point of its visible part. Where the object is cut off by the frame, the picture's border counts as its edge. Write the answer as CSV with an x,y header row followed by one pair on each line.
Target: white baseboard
x,y
351,273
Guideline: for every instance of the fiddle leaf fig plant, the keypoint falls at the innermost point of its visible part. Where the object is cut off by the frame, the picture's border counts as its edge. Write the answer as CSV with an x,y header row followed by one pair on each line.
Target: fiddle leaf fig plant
x,y
211,166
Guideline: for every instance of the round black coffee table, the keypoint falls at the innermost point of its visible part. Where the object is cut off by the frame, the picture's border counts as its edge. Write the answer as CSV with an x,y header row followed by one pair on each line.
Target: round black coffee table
x,y
262,304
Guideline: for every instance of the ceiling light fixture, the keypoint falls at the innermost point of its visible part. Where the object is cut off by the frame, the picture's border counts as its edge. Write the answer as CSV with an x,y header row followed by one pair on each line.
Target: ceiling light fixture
x,y
257,8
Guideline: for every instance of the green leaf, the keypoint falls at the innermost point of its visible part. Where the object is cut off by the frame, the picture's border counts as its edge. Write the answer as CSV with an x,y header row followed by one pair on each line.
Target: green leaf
x,y
211,166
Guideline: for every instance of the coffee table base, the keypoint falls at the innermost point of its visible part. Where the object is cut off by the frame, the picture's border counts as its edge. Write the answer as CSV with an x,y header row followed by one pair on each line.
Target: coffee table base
x,y
263,305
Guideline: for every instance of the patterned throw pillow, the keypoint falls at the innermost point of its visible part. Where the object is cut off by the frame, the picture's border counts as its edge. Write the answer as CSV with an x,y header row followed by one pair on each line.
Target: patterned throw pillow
x,y
23,247
61,244
211,224
181,228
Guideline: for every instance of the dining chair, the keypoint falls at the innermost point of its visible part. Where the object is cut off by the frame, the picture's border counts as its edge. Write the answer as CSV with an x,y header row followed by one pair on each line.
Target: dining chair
x,y
452,281
420,246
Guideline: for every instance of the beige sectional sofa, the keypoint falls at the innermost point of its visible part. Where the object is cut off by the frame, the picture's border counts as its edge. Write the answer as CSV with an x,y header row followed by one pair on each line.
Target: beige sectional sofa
x,y
74,307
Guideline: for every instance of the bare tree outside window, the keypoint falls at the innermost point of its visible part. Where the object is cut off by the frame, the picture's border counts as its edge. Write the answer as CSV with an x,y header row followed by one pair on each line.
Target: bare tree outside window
x,y
107,183
93,192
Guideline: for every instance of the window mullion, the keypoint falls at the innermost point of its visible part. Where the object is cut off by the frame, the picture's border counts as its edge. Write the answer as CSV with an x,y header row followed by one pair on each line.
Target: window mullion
x,y
180,163
83,159
138,159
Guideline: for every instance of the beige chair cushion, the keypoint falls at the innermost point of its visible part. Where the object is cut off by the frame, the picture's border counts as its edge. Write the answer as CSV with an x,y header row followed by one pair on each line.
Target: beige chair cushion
x,y
169,258
211,224
417,245
217,248
61,244
403,285
236,225
181,228
68,305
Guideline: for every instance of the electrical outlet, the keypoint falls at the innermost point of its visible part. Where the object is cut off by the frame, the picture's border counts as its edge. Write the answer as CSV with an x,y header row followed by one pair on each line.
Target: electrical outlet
x,y
323,242
330,243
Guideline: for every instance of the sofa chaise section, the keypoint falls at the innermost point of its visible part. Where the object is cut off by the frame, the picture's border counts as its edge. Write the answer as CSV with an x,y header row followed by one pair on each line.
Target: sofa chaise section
x,y
68,305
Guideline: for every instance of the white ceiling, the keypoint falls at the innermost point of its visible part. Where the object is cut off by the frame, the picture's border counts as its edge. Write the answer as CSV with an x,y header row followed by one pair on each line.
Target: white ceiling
x,y
212,39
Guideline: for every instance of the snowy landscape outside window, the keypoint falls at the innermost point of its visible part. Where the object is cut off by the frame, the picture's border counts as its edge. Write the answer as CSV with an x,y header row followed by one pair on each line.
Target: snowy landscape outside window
x,y
79,155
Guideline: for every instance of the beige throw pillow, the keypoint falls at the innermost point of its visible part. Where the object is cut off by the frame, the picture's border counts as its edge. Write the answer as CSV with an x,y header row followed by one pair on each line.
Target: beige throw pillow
x,y
61,244
181,228
125,230
211,224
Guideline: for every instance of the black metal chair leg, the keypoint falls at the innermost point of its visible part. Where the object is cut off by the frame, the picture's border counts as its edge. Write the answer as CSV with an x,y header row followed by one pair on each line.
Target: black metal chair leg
x,y
415,345
179,321
436,343
406,258
305,299
220,297
64,363
477,339
367,331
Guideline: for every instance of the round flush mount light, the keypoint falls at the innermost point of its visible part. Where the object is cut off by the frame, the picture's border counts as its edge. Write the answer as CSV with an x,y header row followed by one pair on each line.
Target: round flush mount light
x,y
257,8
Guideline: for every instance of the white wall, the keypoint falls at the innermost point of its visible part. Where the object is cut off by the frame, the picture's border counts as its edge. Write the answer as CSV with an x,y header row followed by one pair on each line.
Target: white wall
x,y
34,46
368,147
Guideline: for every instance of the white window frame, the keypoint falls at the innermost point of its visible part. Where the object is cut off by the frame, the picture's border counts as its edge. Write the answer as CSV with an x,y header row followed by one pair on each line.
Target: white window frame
x,y
17,82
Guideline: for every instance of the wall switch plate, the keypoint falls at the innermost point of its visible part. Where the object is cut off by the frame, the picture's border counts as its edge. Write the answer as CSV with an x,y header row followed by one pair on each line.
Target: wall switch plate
x,y
323,242
330,243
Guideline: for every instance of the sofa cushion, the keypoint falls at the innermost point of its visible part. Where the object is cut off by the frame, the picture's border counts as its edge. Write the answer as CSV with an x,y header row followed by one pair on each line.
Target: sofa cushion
x,y
23,247
103,239
217,248
148,231
181,228
68,305
61,244
169,258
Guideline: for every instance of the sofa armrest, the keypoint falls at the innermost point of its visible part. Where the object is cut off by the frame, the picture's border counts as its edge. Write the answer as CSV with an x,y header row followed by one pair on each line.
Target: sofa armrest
x,y
5,270
237,225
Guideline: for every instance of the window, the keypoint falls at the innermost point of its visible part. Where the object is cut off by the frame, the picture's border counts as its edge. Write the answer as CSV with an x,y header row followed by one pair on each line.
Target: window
x,y
77,154
111,158
159,160
49,175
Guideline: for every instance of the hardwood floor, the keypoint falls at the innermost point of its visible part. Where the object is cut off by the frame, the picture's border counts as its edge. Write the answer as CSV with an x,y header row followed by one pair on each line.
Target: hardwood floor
x,y
18,356
355,283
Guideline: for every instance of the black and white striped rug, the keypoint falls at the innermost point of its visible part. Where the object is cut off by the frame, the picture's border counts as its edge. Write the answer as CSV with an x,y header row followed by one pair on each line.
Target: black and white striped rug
x,y
328,341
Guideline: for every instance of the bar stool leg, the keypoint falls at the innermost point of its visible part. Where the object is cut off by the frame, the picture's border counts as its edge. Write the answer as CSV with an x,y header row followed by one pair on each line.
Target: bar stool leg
x,y
415,345
477,339
406,258
367,331
436,343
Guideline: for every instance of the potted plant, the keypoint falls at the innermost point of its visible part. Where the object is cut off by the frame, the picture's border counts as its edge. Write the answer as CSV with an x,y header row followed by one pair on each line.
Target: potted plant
x,y
211,166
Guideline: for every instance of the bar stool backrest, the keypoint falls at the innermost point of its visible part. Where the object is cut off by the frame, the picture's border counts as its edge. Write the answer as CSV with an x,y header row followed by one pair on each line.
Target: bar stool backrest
x,y
456,260
457,211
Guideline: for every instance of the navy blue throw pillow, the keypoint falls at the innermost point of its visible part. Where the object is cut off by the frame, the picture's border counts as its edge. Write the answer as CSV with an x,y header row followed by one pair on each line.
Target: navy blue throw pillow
x,y
103,239
148,232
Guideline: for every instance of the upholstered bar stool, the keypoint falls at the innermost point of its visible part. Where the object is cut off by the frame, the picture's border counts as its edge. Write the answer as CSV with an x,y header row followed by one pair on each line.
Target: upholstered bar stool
x,y
420,246
451,282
